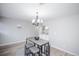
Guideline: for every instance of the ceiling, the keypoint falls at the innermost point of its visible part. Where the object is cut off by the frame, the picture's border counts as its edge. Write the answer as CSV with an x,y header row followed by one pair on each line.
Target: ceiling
x,y
26,11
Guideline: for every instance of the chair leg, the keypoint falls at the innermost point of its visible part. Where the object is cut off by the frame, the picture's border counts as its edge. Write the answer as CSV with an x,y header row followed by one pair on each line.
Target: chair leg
x,y
48,49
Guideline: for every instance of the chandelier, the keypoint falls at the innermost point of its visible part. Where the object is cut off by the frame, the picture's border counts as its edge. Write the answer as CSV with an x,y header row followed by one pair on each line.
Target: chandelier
x,y
37,21
40,27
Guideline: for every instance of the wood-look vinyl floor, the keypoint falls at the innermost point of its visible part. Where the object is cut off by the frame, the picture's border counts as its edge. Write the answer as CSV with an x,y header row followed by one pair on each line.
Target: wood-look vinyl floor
x,y
19,51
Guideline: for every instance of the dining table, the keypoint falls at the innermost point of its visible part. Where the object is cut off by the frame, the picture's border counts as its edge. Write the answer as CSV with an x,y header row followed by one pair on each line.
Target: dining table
x,y
42,44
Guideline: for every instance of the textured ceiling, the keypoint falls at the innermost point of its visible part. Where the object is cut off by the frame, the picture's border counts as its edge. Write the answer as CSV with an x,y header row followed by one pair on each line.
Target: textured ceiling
x,y
26,11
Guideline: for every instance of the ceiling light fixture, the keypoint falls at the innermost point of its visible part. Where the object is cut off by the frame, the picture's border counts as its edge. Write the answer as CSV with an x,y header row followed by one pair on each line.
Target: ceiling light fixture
x,y
37,21
39,24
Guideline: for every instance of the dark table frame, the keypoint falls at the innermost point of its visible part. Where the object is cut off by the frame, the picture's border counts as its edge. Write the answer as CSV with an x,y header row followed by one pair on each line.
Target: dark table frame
x,y
47,53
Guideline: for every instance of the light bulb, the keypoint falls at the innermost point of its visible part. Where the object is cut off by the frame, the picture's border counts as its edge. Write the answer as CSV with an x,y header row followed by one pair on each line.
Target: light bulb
x,y
38,20
41,20
33,21
46,27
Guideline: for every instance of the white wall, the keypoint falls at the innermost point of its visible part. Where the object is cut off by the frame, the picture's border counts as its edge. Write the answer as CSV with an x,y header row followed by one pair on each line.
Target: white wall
x,y
64,33
10,33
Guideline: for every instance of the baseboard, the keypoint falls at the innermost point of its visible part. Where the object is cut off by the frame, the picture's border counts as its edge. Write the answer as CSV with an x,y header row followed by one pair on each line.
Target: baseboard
x,y
64,50
11,44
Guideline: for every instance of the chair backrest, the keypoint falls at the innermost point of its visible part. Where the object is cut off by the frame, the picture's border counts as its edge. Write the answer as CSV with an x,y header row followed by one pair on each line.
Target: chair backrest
x,y
27,40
